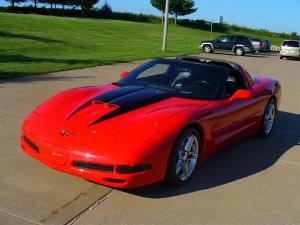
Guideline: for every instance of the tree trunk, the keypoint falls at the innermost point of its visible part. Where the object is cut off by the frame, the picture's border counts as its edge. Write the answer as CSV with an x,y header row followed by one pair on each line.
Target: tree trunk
x,y
35,3
51,5
13,3
176,15
63,6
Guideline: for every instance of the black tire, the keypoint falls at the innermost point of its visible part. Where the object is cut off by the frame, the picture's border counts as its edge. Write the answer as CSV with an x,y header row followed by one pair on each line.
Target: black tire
x,y
281,57
239,51
173,177
207,49
264,131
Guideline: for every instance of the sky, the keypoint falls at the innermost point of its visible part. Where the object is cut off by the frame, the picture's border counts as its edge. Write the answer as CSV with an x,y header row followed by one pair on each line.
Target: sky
x,y
273,15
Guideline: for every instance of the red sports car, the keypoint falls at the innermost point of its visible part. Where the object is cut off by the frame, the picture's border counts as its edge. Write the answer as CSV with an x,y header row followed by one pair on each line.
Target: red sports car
x,y
156,123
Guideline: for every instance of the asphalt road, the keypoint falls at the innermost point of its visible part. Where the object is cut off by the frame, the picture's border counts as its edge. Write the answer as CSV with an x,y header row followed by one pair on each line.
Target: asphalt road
x,y
255,181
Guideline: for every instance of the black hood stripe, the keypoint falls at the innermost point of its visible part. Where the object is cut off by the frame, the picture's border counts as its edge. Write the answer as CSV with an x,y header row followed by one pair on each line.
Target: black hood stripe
x,y
108,96
129,98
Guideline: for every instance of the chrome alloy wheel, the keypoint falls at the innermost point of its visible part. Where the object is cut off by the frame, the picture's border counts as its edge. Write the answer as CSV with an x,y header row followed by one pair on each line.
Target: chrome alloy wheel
x,y
239,51
269,117
207,49
187,157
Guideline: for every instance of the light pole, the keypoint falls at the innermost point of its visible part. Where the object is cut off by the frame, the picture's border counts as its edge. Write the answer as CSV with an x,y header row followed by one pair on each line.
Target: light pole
x,y
165,36
211,28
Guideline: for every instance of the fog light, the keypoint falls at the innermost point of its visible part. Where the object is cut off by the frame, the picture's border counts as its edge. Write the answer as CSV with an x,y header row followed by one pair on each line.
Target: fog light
x,y
126,169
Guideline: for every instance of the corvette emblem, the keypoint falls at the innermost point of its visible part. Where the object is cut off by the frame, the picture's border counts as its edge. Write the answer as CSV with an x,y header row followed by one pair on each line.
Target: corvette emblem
x,y
64,132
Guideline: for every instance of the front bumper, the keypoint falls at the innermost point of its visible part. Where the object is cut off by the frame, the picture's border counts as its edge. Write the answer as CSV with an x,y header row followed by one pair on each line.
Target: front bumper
x,y
63,161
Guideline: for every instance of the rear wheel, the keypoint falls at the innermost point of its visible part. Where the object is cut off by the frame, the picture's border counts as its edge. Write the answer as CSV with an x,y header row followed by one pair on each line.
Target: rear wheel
x,y
268,120
239,51
184,157
207,49
281,57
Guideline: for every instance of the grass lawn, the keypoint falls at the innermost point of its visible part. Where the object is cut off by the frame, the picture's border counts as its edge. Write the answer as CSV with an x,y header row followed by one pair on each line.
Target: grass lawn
x,y
34,44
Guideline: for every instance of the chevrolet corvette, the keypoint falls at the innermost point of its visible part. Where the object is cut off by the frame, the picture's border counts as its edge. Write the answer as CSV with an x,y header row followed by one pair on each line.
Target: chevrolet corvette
x,y
157,123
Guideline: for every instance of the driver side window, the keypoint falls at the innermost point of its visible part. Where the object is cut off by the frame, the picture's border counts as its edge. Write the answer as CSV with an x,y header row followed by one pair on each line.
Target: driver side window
x,y
222,39
235,80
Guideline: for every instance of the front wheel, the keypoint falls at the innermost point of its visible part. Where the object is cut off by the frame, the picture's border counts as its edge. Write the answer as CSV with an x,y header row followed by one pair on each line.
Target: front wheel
x,y
184,158
268,120
207,49
239,51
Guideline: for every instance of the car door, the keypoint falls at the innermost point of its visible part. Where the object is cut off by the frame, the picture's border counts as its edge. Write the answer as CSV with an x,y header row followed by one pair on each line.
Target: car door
x,y
221,43
237,118
231,42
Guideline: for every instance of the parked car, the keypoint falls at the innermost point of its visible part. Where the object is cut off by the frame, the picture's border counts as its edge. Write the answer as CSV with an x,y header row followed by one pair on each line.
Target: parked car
x,y
233,43
266,46
290,49
257,45
156,123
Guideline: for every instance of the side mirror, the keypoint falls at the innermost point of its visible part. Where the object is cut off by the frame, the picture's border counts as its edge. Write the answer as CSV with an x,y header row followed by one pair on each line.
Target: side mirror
x,y
240,94
124,74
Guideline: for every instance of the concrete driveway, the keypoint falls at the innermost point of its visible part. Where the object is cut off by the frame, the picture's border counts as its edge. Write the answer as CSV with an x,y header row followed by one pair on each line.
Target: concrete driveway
x,y
255,181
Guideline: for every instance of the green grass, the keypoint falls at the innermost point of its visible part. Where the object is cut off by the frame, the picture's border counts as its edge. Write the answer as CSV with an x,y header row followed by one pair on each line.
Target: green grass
x,y
34,44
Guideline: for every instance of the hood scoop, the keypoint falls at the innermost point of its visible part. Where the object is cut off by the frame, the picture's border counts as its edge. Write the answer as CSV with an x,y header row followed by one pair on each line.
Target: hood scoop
x,y
114,103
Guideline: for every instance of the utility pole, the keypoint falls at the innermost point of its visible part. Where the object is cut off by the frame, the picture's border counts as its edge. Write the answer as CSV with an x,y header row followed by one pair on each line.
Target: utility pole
x,y
165,36
211,28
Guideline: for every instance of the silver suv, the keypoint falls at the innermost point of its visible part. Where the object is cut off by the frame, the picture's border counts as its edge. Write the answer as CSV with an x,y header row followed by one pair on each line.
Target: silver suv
x,y
290,48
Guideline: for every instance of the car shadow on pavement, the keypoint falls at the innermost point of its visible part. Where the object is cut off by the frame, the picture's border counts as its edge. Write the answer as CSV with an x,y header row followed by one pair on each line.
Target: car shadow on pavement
x,y
236,161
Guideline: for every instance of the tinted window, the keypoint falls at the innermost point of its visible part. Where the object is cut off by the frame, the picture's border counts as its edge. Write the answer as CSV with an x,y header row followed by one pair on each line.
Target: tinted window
x,y
243,40
183,79
290,44
231,39
222,39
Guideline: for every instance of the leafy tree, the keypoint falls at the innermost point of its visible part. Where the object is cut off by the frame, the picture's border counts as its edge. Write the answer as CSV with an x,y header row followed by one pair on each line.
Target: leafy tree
x,y
13,2
85,5
35,3
160,5
106,10
294,35
177,7
182,8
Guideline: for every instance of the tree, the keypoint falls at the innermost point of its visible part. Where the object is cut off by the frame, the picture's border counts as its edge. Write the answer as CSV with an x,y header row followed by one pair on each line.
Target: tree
x,y
182,8
177,7
294,35
85,5
35,3
13,2
160,5
106,10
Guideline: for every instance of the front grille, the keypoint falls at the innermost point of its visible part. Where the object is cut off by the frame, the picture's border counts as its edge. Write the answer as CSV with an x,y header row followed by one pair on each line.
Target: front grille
x,y
93,166
31,144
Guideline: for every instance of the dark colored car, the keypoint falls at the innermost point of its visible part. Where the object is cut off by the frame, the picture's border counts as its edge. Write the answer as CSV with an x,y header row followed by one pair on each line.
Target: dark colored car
x,y
238,44
266,45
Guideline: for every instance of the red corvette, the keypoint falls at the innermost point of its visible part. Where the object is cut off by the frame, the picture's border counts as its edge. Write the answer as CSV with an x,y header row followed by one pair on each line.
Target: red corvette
x,y
156,123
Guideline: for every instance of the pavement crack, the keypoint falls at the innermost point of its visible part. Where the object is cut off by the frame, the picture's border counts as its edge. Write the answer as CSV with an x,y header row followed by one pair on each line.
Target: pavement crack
x,y
85,212
54,212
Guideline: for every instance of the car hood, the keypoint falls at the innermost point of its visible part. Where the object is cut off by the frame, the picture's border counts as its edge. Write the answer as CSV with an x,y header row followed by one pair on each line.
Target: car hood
x,y
109,119
88,107
207,41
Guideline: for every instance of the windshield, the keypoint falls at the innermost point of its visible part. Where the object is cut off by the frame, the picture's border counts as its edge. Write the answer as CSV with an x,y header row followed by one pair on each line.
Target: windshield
x,y
184,79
